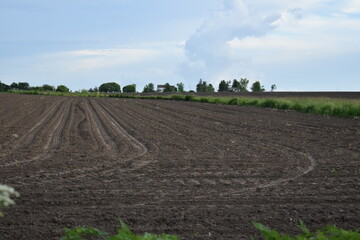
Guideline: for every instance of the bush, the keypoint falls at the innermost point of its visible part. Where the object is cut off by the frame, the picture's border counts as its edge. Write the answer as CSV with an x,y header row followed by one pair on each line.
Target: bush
x,y
233,101
6,193
177,97
62,88
123,233
189,98
268,103
327,233
205,100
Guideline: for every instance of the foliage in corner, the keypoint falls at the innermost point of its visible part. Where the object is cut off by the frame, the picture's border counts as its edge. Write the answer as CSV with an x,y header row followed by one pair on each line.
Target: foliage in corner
x,y
6,193
327,233
123,233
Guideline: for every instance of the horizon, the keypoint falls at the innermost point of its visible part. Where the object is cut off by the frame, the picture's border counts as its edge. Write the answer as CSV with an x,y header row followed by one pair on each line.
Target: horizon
x,y
299,46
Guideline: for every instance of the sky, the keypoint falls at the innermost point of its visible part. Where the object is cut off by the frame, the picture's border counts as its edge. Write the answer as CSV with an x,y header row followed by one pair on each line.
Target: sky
x,y
307,45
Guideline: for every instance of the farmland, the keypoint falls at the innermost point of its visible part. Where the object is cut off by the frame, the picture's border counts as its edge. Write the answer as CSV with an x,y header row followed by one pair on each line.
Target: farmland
x,y
197,170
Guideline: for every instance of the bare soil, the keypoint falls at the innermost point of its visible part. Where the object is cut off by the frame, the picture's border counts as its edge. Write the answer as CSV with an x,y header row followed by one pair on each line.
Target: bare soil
x,y
200,171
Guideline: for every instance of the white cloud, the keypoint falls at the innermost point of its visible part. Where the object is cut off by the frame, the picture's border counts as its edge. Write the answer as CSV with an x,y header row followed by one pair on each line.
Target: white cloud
x,y
352,7
152,62
245,36
100,58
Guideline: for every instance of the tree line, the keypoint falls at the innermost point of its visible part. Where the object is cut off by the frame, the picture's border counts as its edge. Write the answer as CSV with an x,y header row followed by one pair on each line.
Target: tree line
x,y
240,85
26,86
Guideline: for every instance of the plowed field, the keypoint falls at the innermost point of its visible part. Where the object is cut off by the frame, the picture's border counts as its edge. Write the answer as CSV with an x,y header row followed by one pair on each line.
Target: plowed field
x,y
201,171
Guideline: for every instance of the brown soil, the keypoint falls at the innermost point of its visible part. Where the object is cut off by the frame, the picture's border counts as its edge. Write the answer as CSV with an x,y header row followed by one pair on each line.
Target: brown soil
x,y
197,170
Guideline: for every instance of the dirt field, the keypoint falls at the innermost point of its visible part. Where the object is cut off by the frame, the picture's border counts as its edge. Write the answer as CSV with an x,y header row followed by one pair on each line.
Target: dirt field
x,y
197,170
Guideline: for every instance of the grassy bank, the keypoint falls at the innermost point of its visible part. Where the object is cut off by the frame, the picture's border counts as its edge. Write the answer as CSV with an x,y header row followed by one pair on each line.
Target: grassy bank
x,y
124,233
349,108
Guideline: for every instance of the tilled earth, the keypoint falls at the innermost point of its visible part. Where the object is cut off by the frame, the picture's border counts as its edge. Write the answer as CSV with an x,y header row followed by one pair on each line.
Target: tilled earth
x,y
200,171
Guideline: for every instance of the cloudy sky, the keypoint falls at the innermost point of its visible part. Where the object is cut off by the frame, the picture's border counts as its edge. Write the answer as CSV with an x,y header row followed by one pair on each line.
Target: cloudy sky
x,y
310,45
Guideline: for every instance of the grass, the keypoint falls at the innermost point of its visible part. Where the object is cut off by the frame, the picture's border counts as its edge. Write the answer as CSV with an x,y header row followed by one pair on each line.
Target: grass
x,y
124,233
326,106
327,233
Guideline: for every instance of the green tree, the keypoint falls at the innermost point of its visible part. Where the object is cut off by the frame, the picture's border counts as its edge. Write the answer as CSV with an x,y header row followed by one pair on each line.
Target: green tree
x,y
224,86
180,87
130,88
201,86
110,87
14,86
273,87
47,87
243,84
236,84
62,88
167,87
149,88
4,87
23,86
210,88
256,87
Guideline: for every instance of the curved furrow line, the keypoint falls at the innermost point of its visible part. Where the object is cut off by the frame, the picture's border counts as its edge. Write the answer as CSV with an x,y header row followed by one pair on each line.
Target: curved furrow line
x,y
121,130
311,166
102,130
130,116
26,139
70,121
45,120
98,114
52,140
62,118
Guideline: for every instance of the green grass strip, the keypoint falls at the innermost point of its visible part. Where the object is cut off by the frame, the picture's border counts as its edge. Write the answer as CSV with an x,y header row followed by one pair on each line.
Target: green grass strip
x,y
348,108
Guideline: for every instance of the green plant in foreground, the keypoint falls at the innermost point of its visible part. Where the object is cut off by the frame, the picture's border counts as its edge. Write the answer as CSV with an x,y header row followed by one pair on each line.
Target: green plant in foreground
x,y
123,233
327,233
5,197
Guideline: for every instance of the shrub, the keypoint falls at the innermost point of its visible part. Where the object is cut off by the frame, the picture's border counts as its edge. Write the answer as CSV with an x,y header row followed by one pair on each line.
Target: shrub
x,y
205,100
177,97
123,233
233,101
269,103
6,193
327,233
189,98
253,102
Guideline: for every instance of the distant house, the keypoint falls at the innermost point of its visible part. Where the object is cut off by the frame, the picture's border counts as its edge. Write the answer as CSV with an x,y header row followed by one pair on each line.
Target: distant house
x,y
160,88
234,89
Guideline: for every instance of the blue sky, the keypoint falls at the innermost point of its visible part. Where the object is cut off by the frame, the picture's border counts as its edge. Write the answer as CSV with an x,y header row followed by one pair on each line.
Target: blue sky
x,y
308,45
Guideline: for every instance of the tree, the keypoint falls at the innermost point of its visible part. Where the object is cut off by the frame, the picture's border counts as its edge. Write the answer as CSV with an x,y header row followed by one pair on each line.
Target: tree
x,y
167,87
149,88
256,87
62,88
224,86
273,87
23,86
236,84
110,87
243,83
210,88
47,87
130,88
14,86
201,86
180,87
4,87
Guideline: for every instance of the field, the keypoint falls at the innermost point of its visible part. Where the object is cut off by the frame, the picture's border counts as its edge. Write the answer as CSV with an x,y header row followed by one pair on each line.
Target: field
x,y
197,170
